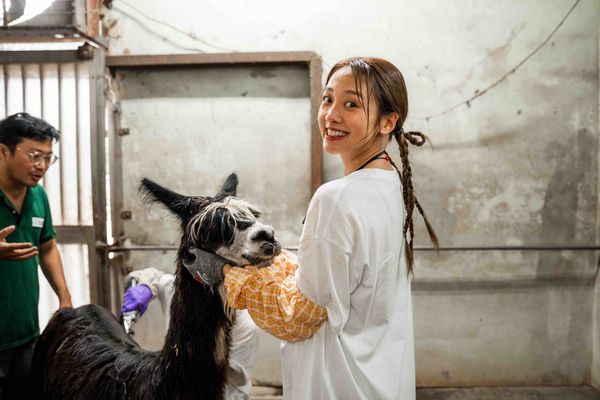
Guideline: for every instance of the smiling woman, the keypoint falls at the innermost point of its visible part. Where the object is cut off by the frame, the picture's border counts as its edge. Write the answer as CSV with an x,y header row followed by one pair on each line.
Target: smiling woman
x,y
344,308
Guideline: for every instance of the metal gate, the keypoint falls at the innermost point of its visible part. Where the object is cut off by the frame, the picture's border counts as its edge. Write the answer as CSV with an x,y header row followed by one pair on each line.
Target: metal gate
x,y
187,121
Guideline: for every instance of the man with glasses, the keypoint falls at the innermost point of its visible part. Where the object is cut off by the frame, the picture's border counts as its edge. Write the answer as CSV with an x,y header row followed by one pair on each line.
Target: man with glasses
x,y
27,238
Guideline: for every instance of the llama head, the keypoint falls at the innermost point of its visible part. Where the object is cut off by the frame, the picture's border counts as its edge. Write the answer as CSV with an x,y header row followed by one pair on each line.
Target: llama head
x,y
222,224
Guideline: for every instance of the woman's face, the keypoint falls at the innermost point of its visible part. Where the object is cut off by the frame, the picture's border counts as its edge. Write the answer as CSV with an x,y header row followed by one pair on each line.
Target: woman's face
x,y
343,121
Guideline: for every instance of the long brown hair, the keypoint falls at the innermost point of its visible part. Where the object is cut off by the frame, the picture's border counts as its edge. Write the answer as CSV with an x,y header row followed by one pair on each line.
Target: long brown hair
x,y
385,84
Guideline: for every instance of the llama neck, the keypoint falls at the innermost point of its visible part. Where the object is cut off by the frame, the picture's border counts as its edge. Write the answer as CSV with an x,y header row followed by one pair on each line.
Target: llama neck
x,y
196,347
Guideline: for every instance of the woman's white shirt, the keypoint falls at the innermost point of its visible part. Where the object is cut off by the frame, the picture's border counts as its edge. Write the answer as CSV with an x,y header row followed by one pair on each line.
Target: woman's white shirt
x,y
351,261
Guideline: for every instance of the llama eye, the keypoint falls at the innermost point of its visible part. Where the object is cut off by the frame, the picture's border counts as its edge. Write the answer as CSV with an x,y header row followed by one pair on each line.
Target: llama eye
x,y
243,224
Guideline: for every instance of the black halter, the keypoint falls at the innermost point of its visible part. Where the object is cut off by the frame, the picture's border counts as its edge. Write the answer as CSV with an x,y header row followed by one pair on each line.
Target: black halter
x,y
376,157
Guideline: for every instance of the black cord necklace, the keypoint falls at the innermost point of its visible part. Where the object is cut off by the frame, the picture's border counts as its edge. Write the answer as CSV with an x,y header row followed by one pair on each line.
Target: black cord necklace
x,y
376,157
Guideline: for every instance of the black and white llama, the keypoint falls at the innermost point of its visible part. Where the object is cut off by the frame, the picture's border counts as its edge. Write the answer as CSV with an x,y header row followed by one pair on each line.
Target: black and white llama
x,y
84,353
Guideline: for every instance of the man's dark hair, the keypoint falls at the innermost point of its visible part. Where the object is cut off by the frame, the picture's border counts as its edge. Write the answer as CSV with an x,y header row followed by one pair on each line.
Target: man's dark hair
x,y
21,126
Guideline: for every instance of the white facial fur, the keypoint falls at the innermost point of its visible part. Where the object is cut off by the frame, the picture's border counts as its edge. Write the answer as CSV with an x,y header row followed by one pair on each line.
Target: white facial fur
x,y
244,250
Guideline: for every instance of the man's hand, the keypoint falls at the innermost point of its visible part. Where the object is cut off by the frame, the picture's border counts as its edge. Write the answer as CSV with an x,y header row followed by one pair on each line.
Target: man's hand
x,y
15,251
206,268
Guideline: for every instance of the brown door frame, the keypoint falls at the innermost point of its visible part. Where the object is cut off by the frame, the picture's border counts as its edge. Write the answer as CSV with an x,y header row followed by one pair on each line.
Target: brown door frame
x,y
307,58
114,269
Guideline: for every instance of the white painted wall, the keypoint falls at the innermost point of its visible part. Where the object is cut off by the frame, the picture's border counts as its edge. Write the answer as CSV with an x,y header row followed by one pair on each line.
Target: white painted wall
x,y
517,167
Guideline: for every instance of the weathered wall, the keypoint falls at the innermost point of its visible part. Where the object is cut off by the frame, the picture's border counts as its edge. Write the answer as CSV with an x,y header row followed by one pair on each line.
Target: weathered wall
x,y
518,166
595,375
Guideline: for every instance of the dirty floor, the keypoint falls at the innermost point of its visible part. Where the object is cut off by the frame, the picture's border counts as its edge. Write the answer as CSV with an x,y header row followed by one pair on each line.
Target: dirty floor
x,y
482,393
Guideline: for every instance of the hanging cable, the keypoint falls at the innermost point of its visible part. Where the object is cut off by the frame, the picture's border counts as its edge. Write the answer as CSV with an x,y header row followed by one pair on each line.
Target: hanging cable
x,y
176,29
478,94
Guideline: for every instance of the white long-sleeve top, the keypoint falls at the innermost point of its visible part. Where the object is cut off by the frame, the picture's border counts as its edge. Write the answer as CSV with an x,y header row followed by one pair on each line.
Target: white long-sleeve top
x,y
351,261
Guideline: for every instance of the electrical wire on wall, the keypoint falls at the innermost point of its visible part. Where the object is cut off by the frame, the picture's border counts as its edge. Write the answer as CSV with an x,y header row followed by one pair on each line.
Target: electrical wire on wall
x,y
167,25
480,93
467,102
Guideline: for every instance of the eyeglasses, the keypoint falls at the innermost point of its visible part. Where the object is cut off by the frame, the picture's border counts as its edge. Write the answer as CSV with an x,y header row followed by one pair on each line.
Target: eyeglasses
x,y
36,157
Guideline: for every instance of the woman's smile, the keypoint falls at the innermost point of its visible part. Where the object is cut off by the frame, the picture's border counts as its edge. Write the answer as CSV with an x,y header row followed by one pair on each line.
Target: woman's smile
x,y
333,134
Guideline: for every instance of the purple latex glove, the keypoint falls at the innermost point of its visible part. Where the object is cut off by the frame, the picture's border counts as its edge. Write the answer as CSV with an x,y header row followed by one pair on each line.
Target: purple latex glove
x,y
136,298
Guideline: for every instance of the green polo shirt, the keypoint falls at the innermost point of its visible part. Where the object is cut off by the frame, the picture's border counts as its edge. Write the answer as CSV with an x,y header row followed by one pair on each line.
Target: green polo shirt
x,y
19,286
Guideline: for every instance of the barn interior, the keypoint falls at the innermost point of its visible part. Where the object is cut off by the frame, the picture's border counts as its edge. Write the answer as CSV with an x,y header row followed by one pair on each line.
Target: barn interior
x,y
187,92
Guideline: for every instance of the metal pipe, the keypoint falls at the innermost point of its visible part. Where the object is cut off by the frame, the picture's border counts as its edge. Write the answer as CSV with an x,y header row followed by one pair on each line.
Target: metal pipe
x,y
510,248
118,249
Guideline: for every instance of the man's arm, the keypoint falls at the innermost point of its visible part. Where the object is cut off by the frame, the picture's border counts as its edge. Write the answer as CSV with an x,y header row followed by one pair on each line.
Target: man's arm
x,y
51,264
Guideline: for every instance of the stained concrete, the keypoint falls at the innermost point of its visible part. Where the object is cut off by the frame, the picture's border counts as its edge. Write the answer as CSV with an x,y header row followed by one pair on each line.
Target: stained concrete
x,y
510,393
495,393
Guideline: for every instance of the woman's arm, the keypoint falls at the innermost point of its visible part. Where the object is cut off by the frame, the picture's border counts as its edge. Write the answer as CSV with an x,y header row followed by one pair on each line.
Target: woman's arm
x,y
273,299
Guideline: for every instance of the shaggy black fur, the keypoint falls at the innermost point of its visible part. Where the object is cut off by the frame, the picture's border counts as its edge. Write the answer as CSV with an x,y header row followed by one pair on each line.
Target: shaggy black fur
x,y
84,353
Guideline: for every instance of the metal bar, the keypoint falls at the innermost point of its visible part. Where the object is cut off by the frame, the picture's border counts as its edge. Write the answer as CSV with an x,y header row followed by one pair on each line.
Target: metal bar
x,y
4,14
49,36
152,247
123,249
5,90
60,142
42,108
116,177
48,12
502,284
77,145
511,248
75,234
169,60
99,271
24,88
315,71
36,57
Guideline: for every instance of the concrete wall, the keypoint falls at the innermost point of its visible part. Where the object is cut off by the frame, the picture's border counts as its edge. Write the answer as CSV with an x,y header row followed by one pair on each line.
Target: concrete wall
x,y
595,375
518,166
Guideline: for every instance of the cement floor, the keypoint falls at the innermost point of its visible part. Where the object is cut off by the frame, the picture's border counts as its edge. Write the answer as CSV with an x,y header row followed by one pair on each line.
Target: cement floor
x,y
483,393
510,393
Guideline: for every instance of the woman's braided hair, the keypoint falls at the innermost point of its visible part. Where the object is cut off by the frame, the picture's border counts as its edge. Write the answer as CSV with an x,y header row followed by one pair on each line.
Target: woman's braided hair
x,y
385,83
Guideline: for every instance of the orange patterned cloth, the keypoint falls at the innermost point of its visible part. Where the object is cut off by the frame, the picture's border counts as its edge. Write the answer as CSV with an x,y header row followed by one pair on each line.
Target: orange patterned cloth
x,y
273,300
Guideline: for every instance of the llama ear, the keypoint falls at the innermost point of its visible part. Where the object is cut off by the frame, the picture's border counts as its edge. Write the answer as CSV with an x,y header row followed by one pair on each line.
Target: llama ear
x,y
229,187
152,192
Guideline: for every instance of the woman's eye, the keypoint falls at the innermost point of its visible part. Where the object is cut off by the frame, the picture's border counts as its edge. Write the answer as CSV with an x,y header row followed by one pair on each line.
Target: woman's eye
x,y
350,104
326,99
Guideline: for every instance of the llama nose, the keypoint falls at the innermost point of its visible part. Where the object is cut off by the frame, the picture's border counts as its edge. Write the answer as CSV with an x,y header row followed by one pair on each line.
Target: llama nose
x,y
268,233
271,248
